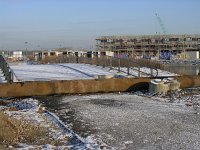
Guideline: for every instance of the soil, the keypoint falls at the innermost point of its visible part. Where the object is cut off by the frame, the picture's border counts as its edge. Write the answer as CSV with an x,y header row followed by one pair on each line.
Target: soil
x,y
13,131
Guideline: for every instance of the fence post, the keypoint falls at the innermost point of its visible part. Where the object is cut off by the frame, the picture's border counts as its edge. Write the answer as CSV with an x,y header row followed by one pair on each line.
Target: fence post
x,y
97,60
119,64
111,63
103,61
91,59
151,72
9,76
138,71
128,68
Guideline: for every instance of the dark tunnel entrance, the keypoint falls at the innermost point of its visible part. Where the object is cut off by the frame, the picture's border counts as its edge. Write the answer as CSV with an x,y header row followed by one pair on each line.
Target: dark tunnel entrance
x,y
142,86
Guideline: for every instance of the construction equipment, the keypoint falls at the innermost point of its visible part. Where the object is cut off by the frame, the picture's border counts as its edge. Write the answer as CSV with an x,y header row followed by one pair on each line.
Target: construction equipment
x,y
161,24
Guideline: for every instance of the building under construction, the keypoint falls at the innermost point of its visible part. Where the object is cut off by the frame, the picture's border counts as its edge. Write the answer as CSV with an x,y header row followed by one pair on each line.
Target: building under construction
x,y
150,46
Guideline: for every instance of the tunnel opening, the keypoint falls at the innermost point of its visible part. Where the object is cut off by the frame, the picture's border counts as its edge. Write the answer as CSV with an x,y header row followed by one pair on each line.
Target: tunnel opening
x,y
142,87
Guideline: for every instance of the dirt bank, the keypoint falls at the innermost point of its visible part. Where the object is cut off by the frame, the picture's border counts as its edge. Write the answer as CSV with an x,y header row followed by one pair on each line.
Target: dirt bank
x,y
13,131
27,125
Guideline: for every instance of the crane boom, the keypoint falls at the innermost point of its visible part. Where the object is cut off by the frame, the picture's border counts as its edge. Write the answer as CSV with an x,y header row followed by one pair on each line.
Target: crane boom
x,y
161,24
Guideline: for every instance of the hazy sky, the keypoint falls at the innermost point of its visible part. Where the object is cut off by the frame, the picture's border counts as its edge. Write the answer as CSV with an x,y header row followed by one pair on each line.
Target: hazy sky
x,y
76,23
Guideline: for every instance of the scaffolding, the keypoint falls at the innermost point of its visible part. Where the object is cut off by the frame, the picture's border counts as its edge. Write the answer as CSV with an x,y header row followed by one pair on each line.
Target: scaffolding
x,y
148,45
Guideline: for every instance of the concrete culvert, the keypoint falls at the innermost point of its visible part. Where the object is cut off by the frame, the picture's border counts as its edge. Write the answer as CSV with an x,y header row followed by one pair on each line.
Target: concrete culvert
x,y
142,86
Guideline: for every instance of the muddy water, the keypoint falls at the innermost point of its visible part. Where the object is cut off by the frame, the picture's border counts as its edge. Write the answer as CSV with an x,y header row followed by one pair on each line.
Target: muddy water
x,y
67,114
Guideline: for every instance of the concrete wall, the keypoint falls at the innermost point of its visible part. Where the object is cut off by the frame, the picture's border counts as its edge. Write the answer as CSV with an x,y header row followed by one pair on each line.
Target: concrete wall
x,y
193,55
83,86
189,81
67,87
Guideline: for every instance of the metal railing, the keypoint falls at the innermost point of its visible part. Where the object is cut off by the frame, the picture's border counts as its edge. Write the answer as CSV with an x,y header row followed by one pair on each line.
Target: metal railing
x,y
7,71
106,61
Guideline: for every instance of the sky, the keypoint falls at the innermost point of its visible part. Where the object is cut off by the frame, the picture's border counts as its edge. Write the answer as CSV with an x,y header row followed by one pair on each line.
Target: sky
x,y
46,24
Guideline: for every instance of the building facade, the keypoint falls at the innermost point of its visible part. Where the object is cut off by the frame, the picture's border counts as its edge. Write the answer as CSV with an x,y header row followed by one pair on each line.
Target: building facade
x,y
39,55
148,46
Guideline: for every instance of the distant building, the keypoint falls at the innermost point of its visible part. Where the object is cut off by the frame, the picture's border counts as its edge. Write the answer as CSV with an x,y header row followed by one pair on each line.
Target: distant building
x,y
17,55
39,55
149,46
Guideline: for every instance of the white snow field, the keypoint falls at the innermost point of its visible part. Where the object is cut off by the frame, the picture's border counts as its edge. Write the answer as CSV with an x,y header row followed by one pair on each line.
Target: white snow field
x,y
57,72
69,71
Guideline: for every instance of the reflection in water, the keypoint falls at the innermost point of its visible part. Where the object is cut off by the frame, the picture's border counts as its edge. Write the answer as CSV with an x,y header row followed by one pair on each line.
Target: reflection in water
x,y
183,70
67,114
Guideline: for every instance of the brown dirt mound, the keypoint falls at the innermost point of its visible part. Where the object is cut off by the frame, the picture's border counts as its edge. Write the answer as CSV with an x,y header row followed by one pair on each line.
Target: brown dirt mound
x,y
13,131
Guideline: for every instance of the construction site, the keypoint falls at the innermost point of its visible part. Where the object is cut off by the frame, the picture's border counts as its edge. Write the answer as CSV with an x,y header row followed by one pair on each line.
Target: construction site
x,y
151,46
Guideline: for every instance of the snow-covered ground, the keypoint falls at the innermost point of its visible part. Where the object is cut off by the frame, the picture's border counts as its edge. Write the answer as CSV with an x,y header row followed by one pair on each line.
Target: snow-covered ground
x,y
129,121
71,71
115,120
56,72
27,110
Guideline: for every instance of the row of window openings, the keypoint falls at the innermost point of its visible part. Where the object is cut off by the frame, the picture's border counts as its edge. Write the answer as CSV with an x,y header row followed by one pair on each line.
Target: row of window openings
x,y
151,41
161,46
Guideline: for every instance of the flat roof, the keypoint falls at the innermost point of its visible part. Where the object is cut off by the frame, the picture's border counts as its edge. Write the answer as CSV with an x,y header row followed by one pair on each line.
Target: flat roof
x,y
126,37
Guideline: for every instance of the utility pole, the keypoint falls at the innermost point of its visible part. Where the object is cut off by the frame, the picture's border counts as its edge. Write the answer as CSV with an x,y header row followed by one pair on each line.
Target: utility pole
x,y
26,53
184,53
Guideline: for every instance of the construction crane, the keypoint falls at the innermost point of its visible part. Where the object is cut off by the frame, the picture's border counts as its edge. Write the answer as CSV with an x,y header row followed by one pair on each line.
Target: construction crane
x,y
160,55
161,24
